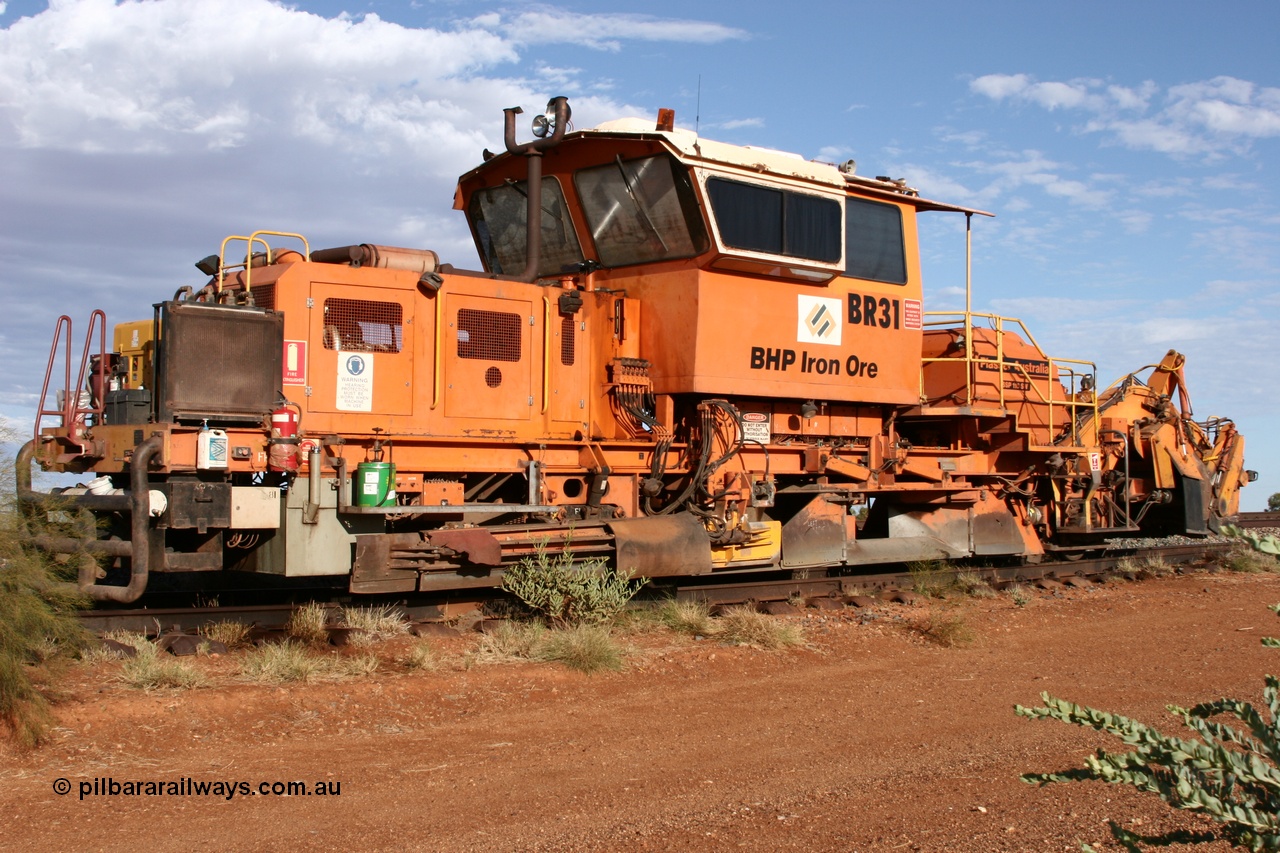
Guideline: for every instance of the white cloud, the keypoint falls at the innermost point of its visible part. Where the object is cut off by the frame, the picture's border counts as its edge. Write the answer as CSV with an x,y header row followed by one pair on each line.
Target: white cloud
x,y
1004,175
1213,117
1001,86
548,25
834,153
134,135
740,122
171,76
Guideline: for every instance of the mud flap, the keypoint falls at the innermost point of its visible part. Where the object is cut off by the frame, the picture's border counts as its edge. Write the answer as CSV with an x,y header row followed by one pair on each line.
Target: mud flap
x,y
986,528
1194,503
661,545
815,536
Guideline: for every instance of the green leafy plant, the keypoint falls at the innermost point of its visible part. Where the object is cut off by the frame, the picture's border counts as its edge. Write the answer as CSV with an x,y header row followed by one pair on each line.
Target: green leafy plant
x,y
1266,543
1230,773
567,593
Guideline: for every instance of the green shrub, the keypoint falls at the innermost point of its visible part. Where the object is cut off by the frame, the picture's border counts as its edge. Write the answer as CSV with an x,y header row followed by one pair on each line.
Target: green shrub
x,y
566,593
39,629
1266,543
1230,773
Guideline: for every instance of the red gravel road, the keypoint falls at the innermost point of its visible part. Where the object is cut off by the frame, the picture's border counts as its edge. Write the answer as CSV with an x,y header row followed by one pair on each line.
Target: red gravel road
x,y
868,739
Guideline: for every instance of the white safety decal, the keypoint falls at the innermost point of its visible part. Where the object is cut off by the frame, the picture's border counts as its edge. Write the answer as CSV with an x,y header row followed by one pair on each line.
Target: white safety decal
x,y
355,382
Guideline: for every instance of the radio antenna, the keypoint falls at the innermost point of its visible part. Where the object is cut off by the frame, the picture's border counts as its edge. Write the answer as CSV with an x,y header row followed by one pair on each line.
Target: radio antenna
x,y
697,114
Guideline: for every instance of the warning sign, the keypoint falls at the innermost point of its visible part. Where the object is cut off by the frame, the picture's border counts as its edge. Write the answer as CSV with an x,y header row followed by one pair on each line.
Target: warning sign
x,y
755,428
912,314
355,382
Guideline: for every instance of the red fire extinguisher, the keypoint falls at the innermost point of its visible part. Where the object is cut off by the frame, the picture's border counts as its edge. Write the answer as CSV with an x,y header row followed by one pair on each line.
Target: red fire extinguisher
x,y
282,448
284,422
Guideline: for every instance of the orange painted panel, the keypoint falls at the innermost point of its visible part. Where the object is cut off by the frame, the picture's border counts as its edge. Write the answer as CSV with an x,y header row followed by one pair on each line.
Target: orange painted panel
x,y
487,358
360,352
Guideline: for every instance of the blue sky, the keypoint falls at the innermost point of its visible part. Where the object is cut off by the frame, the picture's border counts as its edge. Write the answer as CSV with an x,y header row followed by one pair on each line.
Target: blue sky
x,y
1129,150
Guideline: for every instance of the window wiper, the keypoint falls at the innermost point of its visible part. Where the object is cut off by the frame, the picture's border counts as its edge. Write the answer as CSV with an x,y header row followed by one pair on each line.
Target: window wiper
x,y
640,211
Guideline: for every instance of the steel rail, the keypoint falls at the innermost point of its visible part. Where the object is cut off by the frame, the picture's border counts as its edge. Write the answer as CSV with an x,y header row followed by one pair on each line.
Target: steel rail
x,y
749,588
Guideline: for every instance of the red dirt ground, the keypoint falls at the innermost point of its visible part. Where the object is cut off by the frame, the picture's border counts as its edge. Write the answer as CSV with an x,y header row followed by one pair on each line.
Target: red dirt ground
x,y
870,738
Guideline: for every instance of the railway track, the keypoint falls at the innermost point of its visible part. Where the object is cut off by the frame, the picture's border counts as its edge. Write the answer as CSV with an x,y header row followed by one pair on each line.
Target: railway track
x,y
431,614
1255,520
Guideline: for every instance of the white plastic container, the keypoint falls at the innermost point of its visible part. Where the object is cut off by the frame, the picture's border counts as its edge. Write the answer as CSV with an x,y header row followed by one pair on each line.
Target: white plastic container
x,y
211,449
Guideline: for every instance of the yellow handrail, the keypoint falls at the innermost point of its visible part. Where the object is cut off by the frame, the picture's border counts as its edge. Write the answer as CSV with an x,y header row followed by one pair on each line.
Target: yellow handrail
x,y
255,237
1061,366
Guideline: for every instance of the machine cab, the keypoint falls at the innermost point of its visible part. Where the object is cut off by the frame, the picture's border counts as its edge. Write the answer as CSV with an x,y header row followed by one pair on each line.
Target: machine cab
x,y
762,274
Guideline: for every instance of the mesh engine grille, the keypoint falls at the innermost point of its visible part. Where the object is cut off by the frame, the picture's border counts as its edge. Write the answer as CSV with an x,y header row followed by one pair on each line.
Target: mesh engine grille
x,y
567,327
357,325
490,335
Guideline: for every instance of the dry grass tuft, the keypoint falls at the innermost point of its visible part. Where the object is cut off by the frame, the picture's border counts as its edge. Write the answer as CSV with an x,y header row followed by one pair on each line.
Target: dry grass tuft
x,y
744,626
232,634
421,657
152,668
687,617
931,578
586,648
949,631
309,624
1248,561
282,663
355,667
974,585
1021,595
506,643
38,627
375,623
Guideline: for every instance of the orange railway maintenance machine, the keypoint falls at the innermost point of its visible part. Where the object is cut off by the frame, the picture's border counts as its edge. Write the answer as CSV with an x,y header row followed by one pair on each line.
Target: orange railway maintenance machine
x,y
679,355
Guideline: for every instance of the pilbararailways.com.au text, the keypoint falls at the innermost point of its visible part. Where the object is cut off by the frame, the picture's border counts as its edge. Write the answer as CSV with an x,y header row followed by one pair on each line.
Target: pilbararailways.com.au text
x,y
187,787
